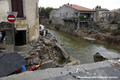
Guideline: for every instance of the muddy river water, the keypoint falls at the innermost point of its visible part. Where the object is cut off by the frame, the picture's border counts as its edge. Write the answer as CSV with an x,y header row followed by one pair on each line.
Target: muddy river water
x,y
79,48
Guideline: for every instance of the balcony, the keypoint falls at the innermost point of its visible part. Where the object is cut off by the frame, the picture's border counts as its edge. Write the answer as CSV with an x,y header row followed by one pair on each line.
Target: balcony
x,y
76,19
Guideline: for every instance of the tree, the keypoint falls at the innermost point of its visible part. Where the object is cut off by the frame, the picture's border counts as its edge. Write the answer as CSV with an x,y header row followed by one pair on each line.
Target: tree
x,y
45,11
97,7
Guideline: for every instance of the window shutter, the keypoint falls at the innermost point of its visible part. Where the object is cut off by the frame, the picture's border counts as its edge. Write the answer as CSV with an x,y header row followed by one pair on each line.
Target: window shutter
x,y
17,6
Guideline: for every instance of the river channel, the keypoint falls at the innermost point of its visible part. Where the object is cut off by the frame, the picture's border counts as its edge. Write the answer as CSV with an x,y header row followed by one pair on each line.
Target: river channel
x,y
79,48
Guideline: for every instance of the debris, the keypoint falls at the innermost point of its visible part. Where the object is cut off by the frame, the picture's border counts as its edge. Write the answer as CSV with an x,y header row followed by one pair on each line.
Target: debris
x,y
77,71
23,67
89,39
77,77
119,60
47,42
105,56
60,48
33,68
9,63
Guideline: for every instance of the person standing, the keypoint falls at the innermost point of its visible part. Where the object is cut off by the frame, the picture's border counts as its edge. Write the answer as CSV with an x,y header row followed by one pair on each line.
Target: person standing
x,y
0,36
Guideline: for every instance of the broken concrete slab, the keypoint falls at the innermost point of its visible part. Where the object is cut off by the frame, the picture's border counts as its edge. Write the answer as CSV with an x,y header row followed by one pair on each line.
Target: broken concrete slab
x,y
62,50
48,64
76,72
9,63
101,56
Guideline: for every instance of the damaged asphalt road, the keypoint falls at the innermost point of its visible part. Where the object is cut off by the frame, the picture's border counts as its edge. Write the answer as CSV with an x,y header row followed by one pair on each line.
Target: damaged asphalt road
x,y
9,63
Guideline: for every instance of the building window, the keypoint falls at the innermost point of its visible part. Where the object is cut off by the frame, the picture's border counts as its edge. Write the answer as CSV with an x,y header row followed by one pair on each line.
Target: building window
x,y
17,6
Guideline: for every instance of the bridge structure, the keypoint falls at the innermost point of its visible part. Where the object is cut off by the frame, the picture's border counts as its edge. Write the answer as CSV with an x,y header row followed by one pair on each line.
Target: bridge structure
x,y
104,70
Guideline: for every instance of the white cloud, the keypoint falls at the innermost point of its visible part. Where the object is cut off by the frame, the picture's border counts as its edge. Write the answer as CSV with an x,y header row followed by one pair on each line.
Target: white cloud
x,y
110,4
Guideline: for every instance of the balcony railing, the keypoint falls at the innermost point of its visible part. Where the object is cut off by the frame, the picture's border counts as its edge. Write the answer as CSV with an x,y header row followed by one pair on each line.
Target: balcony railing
x,y
76,19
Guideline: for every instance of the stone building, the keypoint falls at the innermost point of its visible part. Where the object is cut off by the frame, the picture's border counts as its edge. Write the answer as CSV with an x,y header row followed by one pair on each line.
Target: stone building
x,y
27,22
101,15
114,15
70,17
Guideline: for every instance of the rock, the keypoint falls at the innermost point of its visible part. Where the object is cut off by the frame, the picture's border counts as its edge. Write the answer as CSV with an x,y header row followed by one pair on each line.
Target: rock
x,y
71,63
39,47
32,53
28,56
37,50
47,42
56,58
62,44
36,60
46,56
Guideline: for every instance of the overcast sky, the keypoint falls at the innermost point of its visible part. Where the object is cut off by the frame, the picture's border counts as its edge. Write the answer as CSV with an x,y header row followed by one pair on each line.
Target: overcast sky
x,y
109,4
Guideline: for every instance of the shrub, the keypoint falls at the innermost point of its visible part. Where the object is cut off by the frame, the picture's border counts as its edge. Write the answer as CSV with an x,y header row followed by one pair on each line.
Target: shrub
x,y
114,22
116,32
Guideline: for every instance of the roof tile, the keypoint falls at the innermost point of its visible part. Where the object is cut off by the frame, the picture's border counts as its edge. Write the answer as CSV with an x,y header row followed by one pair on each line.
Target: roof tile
x,y
80,8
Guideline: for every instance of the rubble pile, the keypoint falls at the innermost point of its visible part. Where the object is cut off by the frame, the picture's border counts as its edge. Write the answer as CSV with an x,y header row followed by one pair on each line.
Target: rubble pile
x,y
46,49
47,53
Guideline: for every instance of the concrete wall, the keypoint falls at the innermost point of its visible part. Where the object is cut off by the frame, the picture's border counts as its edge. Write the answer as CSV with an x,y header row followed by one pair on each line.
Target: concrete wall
x,y
4,8
114,16
118,16
30,21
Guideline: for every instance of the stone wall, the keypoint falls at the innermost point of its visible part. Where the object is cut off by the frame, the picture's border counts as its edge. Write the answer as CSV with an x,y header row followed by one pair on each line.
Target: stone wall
x,y
117,16
58,17
68,27
62,13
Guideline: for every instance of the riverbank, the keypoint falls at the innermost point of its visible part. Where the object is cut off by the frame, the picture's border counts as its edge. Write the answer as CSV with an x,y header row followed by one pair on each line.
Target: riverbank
x,y
79,48
104,33
101,38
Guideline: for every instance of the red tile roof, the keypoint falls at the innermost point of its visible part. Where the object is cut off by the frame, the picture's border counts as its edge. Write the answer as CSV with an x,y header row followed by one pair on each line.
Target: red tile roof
x,y
80,8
